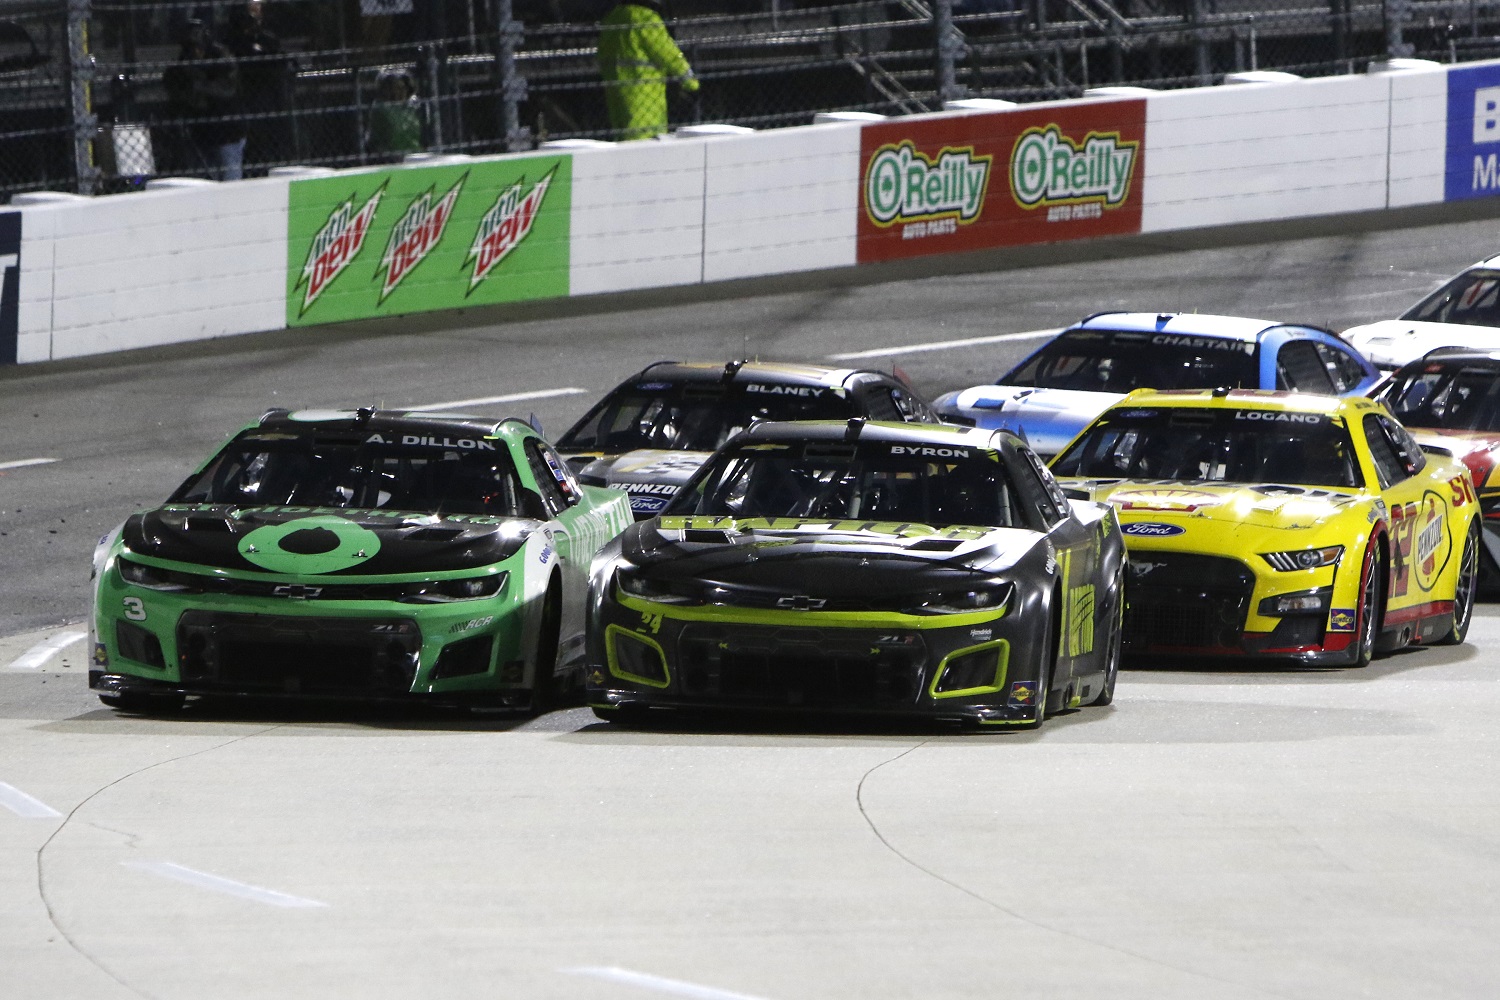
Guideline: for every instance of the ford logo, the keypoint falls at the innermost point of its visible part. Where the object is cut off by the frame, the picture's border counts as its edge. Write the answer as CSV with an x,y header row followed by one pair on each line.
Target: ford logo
x,y
1152,529
646,504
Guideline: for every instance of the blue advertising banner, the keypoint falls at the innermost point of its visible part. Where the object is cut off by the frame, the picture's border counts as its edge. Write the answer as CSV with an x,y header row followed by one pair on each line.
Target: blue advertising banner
x,y
10,285
1473,159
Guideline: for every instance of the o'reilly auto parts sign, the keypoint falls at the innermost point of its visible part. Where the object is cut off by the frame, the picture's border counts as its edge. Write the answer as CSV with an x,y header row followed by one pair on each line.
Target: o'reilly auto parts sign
x,y
1006,178
400,241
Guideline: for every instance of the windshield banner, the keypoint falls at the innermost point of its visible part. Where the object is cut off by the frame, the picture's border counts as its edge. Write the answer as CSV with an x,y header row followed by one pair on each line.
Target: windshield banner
x,y
399,241
1006,178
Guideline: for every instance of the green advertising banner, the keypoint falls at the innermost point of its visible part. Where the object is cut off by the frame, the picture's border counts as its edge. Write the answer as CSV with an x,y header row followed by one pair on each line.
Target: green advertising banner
x,y
442,237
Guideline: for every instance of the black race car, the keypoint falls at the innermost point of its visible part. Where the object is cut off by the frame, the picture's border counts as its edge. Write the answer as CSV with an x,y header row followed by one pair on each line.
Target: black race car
x,y
657,427
883,568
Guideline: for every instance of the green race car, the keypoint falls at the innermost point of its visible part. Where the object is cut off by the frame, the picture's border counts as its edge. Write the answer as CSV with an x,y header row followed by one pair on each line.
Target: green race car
x,y
355,554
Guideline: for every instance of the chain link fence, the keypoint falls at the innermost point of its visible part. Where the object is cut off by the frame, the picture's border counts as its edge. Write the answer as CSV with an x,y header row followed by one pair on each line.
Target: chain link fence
x,y
105,95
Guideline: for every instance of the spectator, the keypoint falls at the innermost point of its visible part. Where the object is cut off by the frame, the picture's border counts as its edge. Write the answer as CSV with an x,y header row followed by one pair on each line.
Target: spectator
x,y
636,56
203,87
262,81
395,125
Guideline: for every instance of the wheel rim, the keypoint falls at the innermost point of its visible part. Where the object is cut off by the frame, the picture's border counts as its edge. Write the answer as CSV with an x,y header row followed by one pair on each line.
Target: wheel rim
x,y
1117,638
1468,579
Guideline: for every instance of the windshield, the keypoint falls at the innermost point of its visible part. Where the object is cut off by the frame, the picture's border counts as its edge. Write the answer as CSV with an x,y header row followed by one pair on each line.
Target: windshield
x,y
476,476
1455,397
1119,361
873,481
696,416
1230,446
1469,298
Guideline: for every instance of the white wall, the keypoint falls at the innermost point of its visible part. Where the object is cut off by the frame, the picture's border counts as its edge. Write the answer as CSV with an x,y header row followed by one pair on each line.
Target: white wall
x,y
157,267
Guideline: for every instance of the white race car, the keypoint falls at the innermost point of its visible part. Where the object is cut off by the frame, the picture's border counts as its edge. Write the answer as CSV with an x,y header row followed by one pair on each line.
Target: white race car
x,y
1462,313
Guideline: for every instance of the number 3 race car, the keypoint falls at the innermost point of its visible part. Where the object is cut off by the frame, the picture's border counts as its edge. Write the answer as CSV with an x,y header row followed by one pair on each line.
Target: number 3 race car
x,y
356,554
881,568
1281,525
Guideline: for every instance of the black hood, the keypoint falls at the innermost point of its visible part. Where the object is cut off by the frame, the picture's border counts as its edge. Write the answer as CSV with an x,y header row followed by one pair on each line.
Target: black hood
x,y
323,541
833,559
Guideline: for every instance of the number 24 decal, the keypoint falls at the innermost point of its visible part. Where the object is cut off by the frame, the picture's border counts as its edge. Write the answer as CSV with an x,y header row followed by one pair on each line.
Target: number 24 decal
x,y
135,609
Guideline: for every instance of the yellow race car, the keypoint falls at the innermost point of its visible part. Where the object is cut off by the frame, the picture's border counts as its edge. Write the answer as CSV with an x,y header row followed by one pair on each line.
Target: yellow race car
x,y
1275,524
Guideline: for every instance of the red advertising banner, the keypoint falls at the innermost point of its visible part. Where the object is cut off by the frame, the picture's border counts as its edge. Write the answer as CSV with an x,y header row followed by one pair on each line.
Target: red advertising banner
x,y
972,182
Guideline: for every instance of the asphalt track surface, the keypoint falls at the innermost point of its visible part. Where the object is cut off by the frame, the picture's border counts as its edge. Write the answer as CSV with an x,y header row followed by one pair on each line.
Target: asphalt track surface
x,y
1219,832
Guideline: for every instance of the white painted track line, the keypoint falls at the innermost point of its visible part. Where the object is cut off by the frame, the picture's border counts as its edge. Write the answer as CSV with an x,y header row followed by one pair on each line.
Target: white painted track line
x,y
203,880
515,397
24,805
944,345
39,654
657,983
21,463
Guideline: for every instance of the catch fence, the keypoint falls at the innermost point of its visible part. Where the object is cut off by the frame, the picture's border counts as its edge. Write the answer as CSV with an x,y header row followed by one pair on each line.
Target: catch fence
x,y
105,95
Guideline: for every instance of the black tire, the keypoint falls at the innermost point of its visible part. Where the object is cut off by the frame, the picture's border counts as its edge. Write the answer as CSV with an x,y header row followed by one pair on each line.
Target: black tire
x,y
1048,662
544,689
1368,614
1467,588
1116,641
138,703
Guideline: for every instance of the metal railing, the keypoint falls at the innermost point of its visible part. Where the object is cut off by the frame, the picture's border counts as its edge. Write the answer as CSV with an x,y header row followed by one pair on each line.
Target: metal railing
x,y
103,95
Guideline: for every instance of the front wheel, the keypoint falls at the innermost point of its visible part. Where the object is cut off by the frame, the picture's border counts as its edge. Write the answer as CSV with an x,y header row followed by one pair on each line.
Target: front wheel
x,y
1116,647
1044,680
544,688
1467,587
144,704
1367,626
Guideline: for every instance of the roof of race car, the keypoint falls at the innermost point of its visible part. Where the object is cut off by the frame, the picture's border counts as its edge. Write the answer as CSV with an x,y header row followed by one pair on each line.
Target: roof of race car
x,y
766,372
1184,324
382,420
1457,355
937,435
1255,399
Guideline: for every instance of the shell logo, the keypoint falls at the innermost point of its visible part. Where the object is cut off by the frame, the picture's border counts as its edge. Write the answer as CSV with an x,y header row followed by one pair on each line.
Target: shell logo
x,y
1180,501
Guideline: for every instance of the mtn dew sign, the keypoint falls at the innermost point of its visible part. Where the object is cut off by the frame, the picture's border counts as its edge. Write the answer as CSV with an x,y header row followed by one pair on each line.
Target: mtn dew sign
x,y
1006,178
396,241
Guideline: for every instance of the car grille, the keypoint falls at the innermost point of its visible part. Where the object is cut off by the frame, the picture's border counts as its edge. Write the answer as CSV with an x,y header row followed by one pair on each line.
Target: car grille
x,y
1186,601
800,667
269,654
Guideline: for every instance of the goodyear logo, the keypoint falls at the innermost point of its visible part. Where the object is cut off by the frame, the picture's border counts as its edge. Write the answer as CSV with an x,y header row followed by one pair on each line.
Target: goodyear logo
x,y
1048,168
902,184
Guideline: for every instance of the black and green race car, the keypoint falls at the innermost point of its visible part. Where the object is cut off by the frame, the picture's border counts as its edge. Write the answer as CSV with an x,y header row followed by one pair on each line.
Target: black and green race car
x,y
858,567
355,554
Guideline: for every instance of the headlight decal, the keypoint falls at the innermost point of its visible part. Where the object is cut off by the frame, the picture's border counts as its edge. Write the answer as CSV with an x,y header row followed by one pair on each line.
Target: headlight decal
x,y
1300,559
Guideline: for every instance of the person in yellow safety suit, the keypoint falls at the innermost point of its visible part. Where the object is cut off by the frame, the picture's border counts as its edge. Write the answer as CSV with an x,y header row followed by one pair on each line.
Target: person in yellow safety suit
x,y
636,57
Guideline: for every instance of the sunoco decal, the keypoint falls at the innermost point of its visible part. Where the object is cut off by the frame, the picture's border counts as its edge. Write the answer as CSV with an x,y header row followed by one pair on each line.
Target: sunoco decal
x,y
446,237
929,187
1047,168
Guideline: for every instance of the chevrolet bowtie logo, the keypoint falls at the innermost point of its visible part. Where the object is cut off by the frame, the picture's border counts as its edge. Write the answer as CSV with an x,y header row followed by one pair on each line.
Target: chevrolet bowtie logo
x,y
297,591
801,602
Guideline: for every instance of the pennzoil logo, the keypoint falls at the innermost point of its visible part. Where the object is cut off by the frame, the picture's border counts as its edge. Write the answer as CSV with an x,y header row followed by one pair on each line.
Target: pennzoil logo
x,y
903,184
505,225
1048,168
336,245
419,229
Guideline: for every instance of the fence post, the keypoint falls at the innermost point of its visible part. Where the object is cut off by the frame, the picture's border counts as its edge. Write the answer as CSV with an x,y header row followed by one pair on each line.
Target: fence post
x,y
949,45
1396,12
1200,46
81,96
512,84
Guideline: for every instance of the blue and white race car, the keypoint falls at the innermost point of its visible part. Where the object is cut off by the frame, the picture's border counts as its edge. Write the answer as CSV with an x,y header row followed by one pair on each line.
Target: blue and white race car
x,y
1052,395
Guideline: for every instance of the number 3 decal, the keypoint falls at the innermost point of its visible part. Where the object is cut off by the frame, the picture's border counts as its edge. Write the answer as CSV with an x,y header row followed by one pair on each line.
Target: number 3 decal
x,y
135,609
